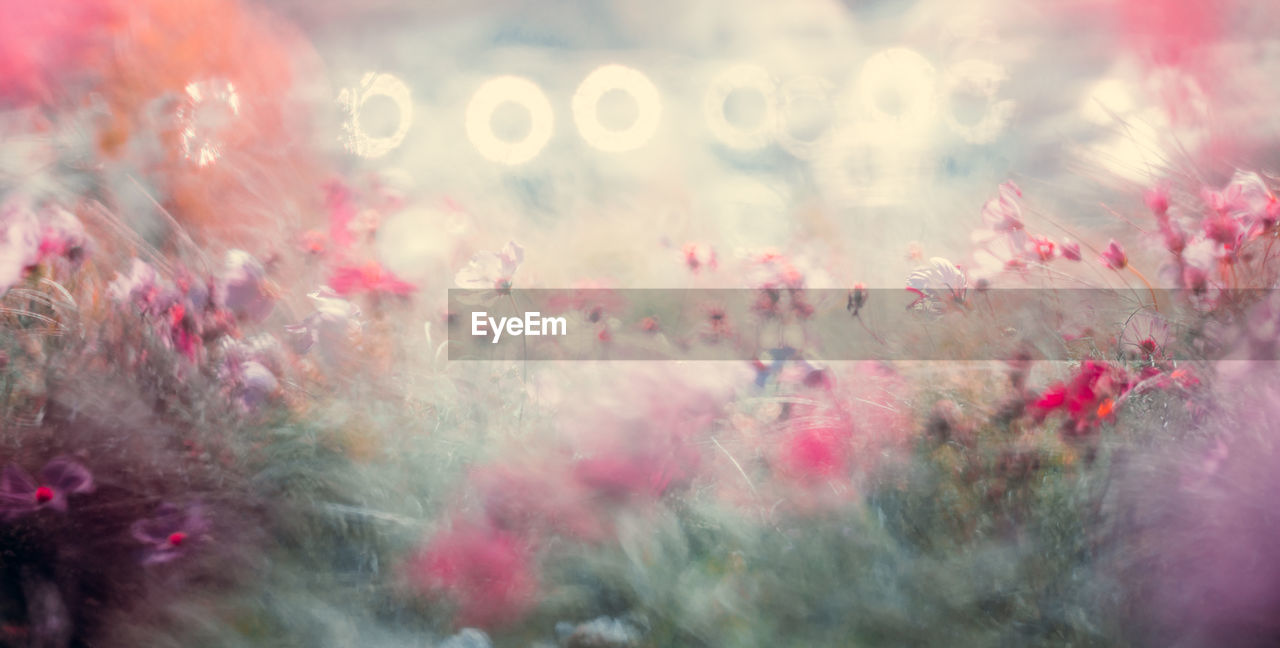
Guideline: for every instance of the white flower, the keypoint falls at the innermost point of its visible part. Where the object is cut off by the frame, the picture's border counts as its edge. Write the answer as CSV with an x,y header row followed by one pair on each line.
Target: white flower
x,y
491,270
940,280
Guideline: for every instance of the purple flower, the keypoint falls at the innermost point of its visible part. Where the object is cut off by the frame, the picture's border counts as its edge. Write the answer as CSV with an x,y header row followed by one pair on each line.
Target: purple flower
x,y
60,478
241,288
170,532
331,326
255,384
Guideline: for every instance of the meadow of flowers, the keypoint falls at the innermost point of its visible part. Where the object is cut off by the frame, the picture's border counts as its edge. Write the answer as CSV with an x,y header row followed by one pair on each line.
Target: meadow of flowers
x,y
892,324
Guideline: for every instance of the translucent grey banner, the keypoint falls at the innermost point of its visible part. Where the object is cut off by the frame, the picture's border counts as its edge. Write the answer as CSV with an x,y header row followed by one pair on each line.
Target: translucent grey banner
x,y
861,324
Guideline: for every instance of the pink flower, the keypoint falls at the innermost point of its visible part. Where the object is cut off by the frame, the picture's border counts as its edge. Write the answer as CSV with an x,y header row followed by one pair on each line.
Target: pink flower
x,y
1247,201
169,533
1114,257
1002,213
818,452
19,244
60,478
141,287
487,572
1043,248
40,42
774,270
1157,201
368,278
697,257
342,212
62,236
1071,250
492,270
1223,229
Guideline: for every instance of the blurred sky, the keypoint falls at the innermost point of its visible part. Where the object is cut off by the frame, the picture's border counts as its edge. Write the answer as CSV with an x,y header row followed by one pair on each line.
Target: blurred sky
x,y
903,117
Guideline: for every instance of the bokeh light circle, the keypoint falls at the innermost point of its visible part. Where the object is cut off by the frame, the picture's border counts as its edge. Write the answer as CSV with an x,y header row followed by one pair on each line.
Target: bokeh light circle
x,y
793,96
522,92
742,77
586,108
352,100
906,76
983,79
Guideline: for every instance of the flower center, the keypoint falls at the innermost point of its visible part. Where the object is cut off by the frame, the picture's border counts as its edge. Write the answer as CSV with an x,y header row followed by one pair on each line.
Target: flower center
x,y
177,538
43,494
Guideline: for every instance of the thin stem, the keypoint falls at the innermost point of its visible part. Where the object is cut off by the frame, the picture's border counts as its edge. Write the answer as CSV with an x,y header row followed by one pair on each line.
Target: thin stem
x,y
1150,289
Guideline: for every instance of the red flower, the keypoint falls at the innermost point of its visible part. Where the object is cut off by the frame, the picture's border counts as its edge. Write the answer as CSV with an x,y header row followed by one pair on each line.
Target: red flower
x,y
1088,398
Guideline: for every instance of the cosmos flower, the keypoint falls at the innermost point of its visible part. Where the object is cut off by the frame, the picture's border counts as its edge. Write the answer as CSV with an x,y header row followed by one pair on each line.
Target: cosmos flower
x,y
492,270
1246,203
1114,257
170,532
939,281
1071,250
1002,213
60,478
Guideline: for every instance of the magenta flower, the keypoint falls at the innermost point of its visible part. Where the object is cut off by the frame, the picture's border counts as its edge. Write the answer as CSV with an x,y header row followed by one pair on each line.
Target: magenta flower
x,y
169,533
368,278
1071,250
1114,256
60,478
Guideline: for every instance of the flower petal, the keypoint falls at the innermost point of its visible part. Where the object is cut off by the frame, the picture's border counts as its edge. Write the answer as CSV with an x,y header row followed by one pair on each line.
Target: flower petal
x,y
67,476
